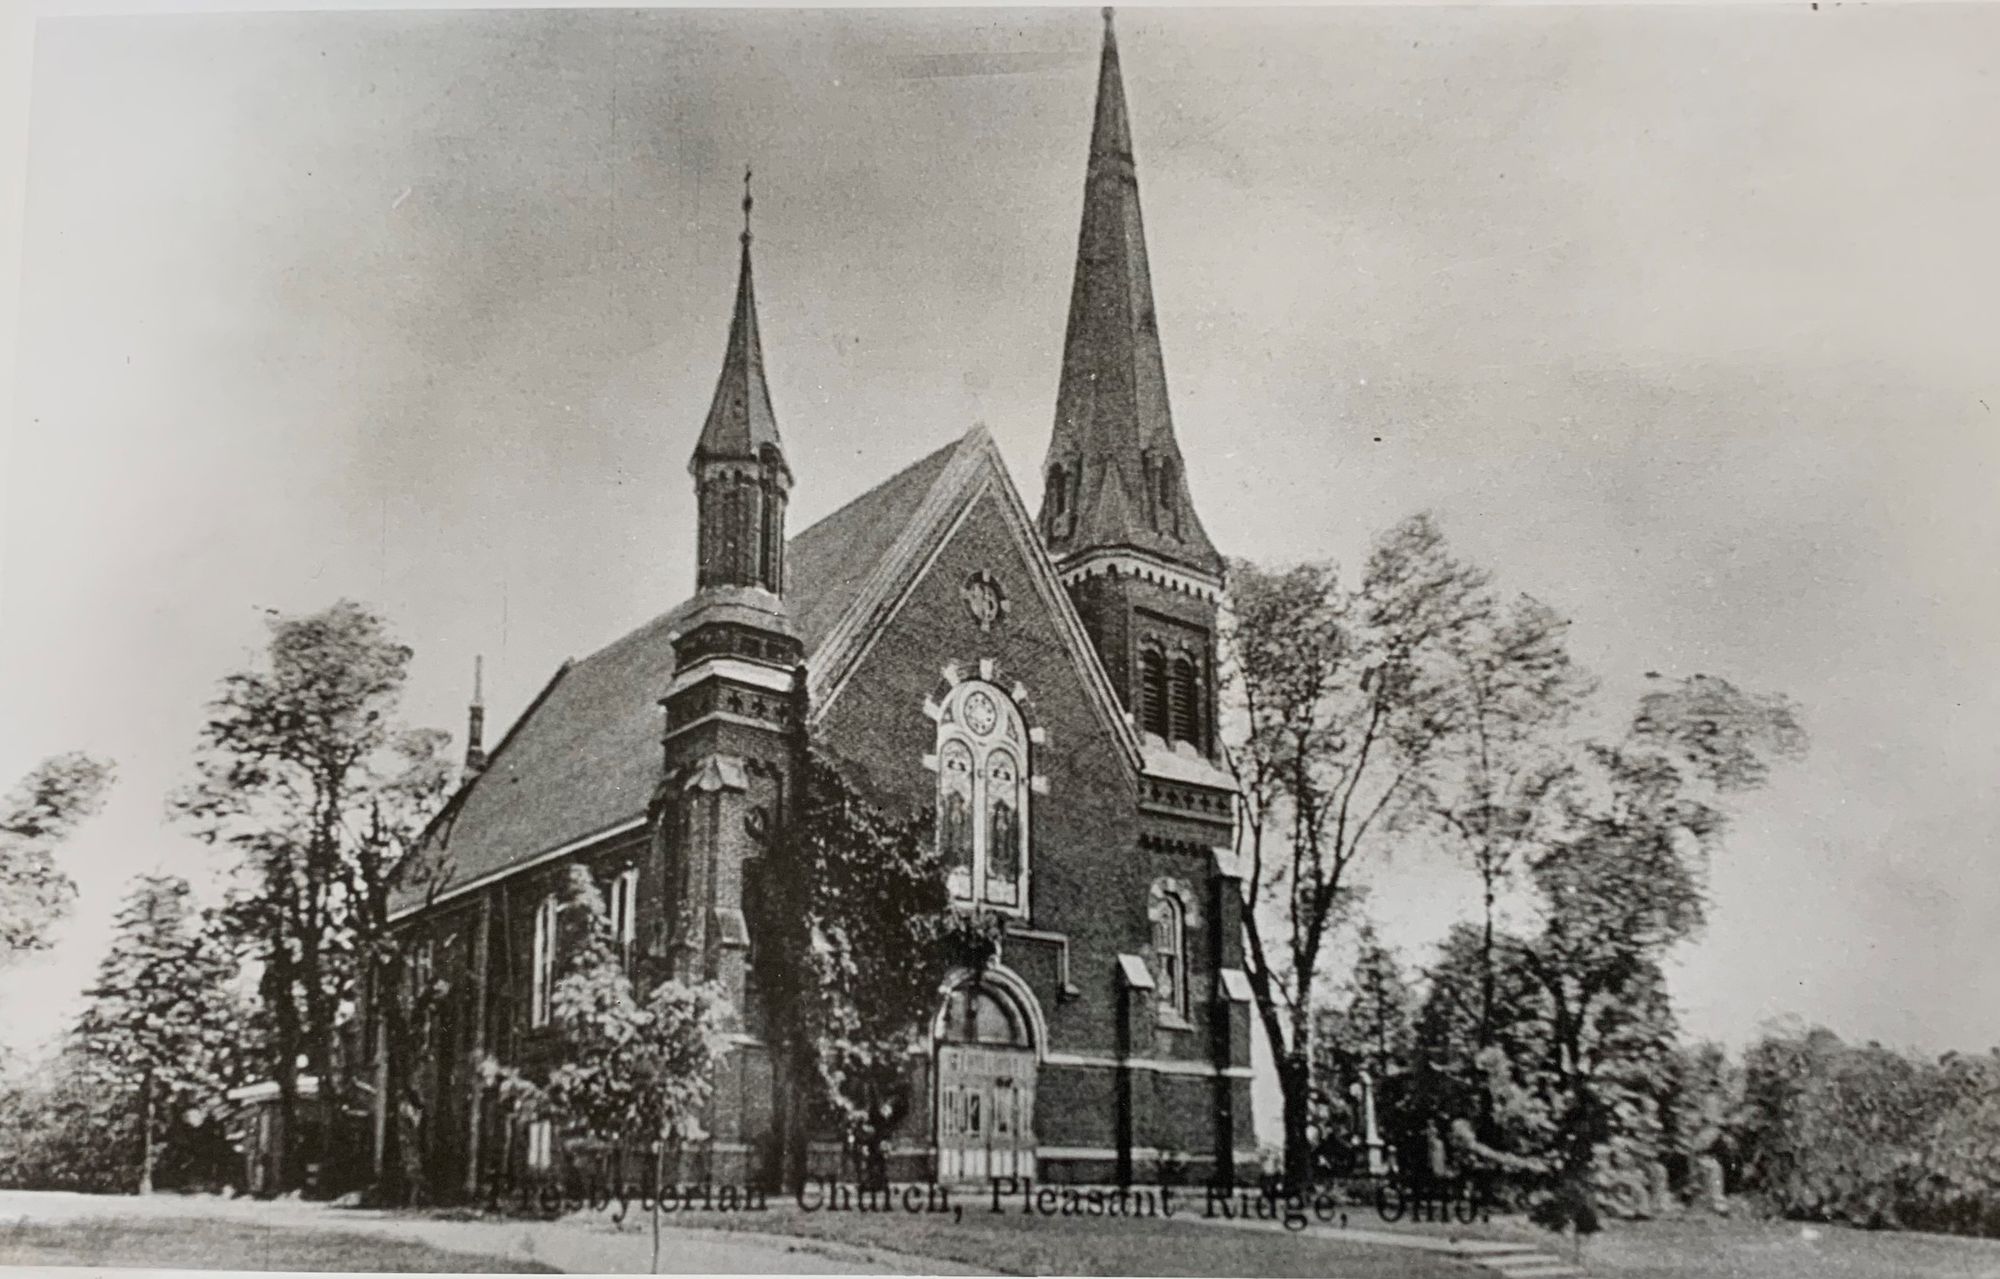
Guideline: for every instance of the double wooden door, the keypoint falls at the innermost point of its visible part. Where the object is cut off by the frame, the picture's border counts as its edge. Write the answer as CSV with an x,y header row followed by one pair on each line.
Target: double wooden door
x,y
985,1112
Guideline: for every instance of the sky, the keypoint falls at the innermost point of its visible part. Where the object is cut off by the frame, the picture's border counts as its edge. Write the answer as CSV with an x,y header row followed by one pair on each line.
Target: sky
x,y
1683,320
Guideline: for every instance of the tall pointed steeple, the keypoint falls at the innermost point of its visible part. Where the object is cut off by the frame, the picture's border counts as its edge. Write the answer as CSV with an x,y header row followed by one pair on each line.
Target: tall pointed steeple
x,y
741,477
1116,514
1114,478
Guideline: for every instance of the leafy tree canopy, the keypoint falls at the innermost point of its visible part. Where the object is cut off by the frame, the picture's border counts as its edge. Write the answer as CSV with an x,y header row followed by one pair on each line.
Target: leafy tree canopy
x,y
35,818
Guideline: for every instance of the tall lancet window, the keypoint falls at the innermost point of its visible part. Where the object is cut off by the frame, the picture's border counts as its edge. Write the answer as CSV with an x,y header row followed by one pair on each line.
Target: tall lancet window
x,y
745,514
622,905
542,963
1058,501
955,813
982,768
1170,968
771,553
1167,511
1003,828
1154,714
1186,696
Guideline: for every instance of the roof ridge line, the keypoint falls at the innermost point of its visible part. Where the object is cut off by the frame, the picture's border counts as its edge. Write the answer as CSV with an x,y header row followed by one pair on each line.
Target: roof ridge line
x,y
875,488
867,597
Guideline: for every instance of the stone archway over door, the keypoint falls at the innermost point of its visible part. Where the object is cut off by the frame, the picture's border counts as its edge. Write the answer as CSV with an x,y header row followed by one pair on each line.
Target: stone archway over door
x,y
985,1113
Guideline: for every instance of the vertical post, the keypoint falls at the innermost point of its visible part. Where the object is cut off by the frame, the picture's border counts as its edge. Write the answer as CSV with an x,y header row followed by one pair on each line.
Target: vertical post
x,y
481,945
1122,1098
1221,1027
1370,1135
378,1015
146,1134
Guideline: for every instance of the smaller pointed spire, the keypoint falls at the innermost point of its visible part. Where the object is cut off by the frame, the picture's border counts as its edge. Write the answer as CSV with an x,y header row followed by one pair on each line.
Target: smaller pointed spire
x,y
475,720
740,422
740,472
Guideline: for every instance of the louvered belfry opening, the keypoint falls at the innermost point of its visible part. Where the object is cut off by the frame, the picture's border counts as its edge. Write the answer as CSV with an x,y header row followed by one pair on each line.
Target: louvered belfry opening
x,y
1186,698
1155,715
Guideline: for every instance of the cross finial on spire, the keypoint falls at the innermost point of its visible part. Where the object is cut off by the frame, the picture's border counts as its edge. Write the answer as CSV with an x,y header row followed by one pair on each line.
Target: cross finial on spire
x,y
746,203
1107,15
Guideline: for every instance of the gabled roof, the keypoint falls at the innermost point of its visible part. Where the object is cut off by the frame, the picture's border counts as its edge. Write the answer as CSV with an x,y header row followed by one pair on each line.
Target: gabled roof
x,y
973,469
1113,421
582,761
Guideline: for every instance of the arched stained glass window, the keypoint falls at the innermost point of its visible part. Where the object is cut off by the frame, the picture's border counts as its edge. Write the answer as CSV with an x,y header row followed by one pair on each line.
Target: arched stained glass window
x,y
1003,838
983,795
955,814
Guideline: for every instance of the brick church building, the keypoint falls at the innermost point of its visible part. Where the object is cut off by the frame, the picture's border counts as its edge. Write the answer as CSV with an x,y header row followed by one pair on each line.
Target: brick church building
x,y
1047,682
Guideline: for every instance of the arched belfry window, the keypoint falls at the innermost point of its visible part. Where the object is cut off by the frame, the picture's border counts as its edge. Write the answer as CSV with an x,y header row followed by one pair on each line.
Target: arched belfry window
x,y
982,763
1185,696
771,542
1155,716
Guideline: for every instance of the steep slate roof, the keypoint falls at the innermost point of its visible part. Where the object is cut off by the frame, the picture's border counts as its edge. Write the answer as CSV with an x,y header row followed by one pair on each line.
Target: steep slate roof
x,y
1111,405
584,758
828,562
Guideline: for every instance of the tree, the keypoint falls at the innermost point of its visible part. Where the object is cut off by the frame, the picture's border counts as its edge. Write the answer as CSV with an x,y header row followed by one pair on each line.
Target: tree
x,y
35,818
60,1130
625,1066
1380,1007
1480,1040
1502,783
1368,1037
1622,886
1346,697
1702,1109
862,936
162,1019
302,769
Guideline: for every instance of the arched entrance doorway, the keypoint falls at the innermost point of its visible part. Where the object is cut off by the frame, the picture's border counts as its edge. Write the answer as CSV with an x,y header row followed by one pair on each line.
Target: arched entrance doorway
x,y
985,1117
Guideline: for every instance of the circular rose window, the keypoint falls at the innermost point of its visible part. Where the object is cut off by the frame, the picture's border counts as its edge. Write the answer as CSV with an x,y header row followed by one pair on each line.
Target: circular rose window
x,y
980,714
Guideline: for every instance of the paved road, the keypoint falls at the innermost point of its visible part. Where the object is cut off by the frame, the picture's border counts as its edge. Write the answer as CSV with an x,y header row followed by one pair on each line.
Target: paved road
x,y
567,1246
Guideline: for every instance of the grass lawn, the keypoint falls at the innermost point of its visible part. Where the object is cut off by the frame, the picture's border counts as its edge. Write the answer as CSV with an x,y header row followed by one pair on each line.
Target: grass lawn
x,y
208,1244
1783,1250
1010,1243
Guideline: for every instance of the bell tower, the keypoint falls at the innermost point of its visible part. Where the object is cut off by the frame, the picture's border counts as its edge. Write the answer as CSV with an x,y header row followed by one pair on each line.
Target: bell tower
x,y
1117,514
733,710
